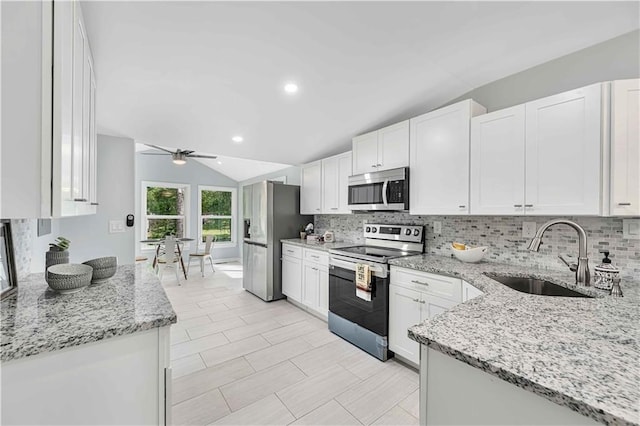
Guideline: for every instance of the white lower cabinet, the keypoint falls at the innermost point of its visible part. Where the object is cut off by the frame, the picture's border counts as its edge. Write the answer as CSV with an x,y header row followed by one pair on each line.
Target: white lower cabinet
x,y
119,380
305,278
415,297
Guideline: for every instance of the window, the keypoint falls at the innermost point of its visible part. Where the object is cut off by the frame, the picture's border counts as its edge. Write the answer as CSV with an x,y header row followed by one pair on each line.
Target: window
x,y
217,214
165,209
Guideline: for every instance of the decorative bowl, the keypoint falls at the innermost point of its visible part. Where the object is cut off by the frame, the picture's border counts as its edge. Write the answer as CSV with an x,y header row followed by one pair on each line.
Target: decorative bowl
x,y
69,277
103,268
470,255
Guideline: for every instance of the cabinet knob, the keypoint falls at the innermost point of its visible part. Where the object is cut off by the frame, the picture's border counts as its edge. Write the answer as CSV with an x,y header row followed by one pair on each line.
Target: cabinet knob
x,y
624,204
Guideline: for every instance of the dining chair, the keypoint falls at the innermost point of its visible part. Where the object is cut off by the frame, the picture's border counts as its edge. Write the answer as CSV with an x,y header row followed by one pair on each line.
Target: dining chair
x,y
209,240
169,259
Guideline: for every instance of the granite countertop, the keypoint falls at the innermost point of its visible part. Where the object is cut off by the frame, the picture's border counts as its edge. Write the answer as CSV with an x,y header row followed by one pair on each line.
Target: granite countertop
x,y
582,353
318,246
40,320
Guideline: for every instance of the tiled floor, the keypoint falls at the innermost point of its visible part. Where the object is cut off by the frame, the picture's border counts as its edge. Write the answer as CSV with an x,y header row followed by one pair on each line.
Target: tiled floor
x,y
240,361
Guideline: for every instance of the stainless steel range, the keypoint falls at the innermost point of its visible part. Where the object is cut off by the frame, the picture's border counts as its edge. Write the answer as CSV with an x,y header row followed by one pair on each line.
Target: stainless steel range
x,y
361,321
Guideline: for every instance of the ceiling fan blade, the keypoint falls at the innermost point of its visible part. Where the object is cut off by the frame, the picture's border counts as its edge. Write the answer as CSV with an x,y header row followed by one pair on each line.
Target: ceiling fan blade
x,y
187,152
203,156
156,153
159,148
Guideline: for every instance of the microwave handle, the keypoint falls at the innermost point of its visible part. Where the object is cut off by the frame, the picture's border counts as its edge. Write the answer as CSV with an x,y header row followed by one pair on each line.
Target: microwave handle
x,y
385,187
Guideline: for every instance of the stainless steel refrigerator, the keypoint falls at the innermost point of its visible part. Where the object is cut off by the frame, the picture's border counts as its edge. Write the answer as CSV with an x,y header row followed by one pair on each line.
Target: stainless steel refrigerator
x,y
271,212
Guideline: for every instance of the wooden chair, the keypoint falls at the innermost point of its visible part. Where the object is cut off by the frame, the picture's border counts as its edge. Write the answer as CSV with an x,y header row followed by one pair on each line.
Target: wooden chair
x,y
209,240
169,259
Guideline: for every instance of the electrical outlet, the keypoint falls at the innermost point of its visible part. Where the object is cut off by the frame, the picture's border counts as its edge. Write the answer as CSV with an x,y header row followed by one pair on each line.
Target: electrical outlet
x,y
437,228
529,229
631,229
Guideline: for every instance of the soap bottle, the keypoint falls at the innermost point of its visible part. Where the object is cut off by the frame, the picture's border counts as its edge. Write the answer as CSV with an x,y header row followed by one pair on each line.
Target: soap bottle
x,y
605,273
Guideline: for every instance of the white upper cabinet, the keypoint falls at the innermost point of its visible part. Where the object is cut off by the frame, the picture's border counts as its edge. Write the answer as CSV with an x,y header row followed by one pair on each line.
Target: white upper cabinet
x,y
56,176
439,159
387,148
365,153
497,162
562,159
311,188
625,148
335,180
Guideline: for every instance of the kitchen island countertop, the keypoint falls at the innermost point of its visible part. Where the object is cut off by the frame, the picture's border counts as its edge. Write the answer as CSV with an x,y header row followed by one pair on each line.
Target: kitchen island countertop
x,y
317,245
582,353
39,320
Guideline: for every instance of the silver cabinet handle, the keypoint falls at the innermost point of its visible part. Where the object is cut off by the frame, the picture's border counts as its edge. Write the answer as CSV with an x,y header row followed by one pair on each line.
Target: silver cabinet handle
x,y
624,204
290,251
378,165
315,257
423,302
416,300
334,208
419,282
374,166
317,210
528,205
80,200
517,205
315,269
462,207
95,204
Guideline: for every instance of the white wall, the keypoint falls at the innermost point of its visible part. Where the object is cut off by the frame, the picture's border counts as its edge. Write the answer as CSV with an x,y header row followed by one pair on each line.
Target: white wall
x,y
159,168
89,235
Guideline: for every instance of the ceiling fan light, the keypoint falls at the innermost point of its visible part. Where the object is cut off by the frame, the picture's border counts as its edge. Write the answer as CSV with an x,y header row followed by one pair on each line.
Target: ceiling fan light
x,y
179,158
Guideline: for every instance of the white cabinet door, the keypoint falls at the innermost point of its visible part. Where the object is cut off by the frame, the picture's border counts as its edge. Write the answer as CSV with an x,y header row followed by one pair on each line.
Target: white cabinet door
x,y
469,292
404,312
432,306
365,153
310,285
563,161
292,278
439,159
497,162
393,146
625,148
323,291
311,188
335,181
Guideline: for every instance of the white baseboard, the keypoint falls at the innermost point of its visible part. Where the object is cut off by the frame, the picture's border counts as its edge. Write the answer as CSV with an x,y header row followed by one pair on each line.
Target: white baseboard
x,y
227,260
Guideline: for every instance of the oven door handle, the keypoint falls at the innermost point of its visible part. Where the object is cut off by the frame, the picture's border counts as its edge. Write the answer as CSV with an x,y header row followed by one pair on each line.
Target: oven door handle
x,y
385,188
378,271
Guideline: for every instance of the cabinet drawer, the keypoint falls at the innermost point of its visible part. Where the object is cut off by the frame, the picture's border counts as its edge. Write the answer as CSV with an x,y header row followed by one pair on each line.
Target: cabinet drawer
x,y
292,251
437,285
316,256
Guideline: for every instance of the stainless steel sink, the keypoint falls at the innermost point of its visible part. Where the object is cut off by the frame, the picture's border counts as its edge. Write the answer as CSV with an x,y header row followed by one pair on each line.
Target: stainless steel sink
x,y
535,286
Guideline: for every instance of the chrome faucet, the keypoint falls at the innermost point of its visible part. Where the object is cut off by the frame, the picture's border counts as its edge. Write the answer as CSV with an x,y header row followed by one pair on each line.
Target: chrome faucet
x,y
583,276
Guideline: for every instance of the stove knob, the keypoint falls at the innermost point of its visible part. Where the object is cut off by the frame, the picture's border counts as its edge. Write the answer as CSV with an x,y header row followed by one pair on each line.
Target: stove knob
x,y
368,229
416,232
374,229
407,231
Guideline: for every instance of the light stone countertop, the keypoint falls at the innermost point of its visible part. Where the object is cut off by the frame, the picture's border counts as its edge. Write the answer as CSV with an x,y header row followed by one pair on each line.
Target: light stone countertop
x,y
582,353
318,246
40,320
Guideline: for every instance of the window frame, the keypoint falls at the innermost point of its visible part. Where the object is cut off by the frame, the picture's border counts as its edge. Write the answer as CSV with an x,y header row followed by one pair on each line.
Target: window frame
x,y
145,218
233,216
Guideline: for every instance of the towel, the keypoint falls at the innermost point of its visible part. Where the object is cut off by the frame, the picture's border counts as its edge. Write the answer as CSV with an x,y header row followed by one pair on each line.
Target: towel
x,y
363,281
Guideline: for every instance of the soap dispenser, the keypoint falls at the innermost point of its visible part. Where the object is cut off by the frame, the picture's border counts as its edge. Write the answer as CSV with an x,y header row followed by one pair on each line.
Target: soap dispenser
x,y
605,273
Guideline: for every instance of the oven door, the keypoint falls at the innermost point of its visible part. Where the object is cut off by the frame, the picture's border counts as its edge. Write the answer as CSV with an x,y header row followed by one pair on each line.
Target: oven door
x,y
372,315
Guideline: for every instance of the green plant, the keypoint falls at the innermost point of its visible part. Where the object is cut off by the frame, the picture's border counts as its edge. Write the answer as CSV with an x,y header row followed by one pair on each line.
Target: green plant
x,y
60,244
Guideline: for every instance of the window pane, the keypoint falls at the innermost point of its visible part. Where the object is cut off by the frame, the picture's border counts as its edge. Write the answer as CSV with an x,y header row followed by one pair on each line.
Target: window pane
x,y
216,203
165,201
159,228
219,228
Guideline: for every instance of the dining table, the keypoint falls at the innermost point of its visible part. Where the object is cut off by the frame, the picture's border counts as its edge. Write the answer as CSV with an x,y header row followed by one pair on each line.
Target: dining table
x,y
159,242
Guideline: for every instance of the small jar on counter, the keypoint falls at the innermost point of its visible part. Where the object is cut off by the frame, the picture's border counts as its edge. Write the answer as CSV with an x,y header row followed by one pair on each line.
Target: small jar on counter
x,y
605,273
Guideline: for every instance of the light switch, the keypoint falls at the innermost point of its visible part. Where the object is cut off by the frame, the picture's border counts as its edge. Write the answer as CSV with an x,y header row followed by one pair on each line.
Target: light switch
x,y
631,229
116,226
529,229
437,228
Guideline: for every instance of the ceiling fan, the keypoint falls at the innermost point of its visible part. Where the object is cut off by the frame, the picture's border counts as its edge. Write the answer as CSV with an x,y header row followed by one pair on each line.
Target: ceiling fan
x,y
178,156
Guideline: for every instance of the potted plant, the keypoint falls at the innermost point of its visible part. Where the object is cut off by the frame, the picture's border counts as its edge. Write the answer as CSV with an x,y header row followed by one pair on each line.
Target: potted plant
x,y
58,252
303,233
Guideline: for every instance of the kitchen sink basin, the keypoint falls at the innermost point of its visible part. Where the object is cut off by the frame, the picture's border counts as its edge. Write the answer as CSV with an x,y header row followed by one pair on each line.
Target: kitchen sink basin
x,y
535,286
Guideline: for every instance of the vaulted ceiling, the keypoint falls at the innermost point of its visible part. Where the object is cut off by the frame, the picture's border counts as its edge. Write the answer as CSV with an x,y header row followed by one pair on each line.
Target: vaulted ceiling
x,y
192,75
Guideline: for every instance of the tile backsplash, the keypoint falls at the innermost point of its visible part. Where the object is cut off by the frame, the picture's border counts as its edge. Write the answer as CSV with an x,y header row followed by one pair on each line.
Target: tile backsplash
x,y
503,236
22,236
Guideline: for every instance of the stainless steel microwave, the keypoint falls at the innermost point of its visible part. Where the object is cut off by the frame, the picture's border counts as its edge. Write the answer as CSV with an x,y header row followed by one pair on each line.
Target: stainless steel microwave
x,y
386,190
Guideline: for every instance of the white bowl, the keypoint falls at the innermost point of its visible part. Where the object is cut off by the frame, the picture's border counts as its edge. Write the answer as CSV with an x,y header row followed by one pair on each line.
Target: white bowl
x,y
470,255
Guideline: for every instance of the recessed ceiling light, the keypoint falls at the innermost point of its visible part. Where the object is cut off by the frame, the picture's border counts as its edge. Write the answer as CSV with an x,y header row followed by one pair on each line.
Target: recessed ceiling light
x,y
237,139
219,162
291,88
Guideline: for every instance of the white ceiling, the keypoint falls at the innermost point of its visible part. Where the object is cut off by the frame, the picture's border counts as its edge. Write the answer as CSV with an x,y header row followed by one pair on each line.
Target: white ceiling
x,y
191,75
